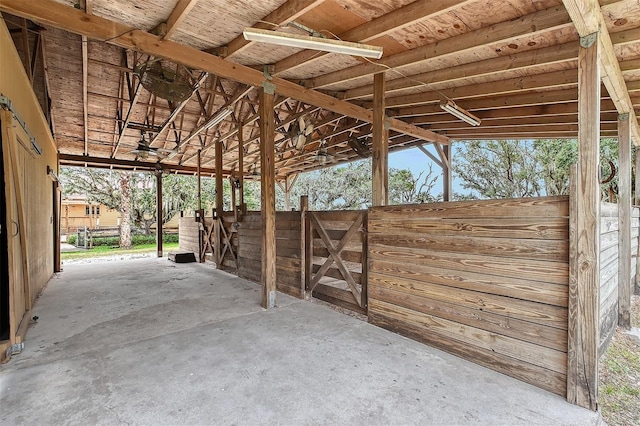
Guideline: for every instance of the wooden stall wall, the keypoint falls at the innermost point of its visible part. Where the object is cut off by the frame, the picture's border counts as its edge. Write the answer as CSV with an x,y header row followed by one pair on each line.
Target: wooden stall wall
x,y
609,257
288,250
484,280
336,254
29,190
189,235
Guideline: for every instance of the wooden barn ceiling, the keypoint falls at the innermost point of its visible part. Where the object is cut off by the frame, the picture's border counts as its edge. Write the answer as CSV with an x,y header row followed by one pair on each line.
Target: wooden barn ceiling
x,y
513,63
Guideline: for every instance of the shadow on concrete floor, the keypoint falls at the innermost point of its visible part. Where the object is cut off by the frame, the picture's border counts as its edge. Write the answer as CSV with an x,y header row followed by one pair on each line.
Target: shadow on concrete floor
x,y
153,342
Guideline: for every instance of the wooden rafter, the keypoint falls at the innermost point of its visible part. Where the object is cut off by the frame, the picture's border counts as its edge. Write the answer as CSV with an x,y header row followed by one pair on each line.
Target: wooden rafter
x,y
177,16
132,104
376,28
76,21
556,80
535,23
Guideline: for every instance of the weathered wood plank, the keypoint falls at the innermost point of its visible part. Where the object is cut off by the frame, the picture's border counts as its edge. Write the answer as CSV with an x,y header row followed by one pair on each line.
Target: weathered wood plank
x,y
537,270
543,378
539,228
538,334
526,208
518,349
538,313
338,297
515,248
520,288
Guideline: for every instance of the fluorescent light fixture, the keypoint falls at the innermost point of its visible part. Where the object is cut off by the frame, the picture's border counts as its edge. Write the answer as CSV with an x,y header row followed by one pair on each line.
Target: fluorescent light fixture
x,y
219,117
314,43
464,115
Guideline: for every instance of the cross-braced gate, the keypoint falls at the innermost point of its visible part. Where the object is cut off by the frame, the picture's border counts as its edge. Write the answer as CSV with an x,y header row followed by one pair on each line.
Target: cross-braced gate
x,y
337,258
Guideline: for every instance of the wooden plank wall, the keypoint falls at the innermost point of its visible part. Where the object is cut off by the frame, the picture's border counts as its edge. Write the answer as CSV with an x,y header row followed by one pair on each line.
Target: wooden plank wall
x,y
332,287
29,192
189,235
609,268
484,280
288,250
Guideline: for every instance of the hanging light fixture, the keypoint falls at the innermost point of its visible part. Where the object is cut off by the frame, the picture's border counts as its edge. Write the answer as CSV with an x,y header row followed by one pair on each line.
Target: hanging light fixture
x,y
322,156
464,115
311,42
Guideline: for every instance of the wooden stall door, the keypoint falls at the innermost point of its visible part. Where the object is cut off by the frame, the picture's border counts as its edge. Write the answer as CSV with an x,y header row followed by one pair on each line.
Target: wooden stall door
x,y
337,258
15,173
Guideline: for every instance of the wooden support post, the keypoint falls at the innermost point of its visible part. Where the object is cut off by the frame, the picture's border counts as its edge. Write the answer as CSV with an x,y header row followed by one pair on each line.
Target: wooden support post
x,y
287,194
624,222
217,221
268,197
234,200
199,182
380,145
241,166
159,213
289,182
584,265
219,186
305,241
447,177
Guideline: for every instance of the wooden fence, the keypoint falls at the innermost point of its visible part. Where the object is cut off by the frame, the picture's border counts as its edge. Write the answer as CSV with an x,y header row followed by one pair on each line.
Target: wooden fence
x,y
609,257
485,280
289,265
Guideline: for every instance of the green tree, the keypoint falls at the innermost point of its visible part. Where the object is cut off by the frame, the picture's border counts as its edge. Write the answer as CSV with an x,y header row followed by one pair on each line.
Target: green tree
x,y
405,188
513,169
349,187
107,187
498,169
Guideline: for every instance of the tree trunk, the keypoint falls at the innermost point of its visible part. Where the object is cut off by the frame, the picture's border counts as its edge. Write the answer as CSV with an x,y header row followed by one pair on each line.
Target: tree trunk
x,y
125,210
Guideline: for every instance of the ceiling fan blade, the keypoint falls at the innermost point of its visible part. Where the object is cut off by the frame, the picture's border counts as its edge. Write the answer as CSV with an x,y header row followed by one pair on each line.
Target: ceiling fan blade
x,y
308,130
165,150
156,154
301,124
301,140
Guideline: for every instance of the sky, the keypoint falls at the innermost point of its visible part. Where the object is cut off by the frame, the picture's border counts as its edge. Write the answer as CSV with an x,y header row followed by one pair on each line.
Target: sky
x,y
416,161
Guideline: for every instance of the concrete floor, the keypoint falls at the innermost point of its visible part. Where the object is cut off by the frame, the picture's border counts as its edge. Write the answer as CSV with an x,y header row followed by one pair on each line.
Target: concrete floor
x,y
152,342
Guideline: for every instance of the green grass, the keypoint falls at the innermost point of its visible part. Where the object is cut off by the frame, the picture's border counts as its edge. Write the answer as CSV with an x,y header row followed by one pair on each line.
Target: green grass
x,y
619,398
101,251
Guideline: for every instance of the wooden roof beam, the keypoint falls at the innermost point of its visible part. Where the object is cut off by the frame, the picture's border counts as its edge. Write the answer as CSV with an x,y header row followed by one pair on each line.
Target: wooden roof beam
x,y
545,56
177,16
588,19
532,24
102,162
557,79
508,122
76,21
400,18
541,111
289,11
499,102
88,8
